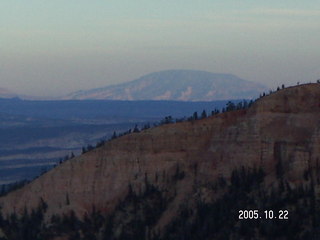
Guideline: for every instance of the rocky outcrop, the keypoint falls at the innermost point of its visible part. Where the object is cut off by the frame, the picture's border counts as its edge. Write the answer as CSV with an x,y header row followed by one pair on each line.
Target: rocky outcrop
x,y
279,133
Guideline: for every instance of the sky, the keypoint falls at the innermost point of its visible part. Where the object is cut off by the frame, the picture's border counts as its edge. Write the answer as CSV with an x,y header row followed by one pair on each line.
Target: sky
x,y
51,48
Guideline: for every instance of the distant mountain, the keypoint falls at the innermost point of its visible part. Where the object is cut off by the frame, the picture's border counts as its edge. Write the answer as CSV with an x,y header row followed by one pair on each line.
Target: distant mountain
x,y
180,85
5,93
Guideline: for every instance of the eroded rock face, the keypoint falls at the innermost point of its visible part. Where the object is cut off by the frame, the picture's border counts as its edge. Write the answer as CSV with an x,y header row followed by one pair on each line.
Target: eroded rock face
x,y
280,132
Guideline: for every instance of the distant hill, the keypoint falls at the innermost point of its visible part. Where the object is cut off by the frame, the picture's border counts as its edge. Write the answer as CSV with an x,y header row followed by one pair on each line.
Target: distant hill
x,y
5,93
179,85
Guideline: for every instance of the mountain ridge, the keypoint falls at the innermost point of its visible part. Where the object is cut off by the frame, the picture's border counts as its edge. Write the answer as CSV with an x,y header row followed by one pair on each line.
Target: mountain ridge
x,y
187,162
261,107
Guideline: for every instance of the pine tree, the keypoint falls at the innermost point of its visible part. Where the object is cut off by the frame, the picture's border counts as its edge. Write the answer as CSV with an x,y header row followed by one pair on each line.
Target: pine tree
x,y
136,129
195,116
203,114
114,135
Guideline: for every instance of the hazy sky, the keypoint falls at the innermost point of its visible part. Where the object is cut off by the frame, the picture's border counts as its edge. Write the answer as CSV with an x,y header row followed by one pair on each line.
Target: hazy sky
x,y
54,47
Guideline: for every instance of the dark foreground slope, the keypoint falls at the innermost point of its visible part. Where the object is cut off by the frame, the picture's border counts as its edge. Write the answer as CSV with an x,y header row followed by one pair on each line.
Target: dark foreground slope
x,y
187,180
